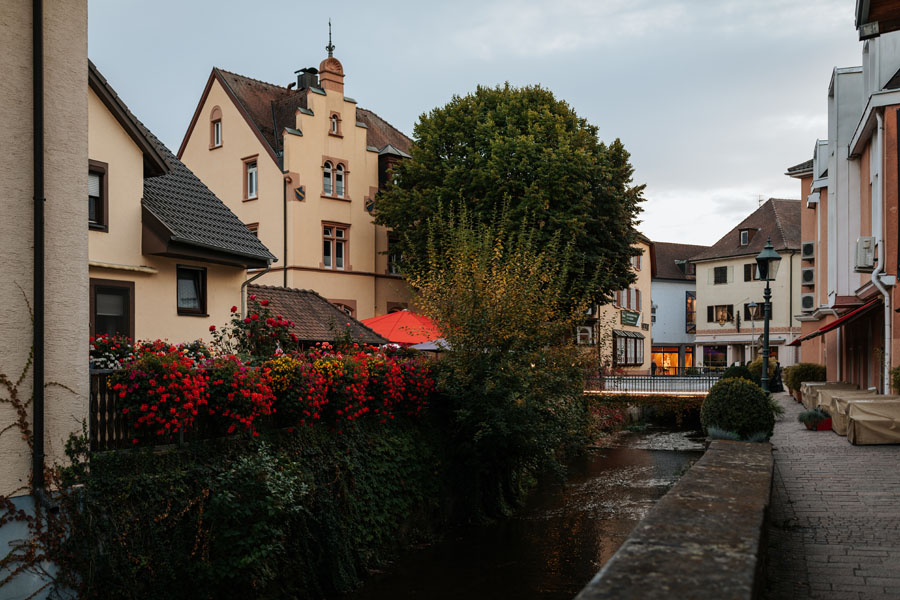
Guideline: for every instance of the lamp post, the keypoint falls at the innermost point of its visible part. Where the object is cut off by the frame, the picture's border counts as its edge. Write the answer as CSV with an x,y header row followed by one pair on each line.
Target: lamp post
x,y
767,263
754,315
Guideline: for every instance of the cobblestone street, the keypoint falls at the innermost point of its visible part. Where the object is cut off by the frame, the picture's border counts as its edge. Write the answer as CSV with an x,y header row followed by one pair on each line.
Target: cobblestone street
x,y
835,516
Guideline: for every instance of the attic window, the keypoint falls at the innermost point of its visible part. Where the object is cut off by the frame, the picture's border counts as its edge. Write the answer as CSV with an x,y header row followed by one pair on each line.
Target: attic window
x,y
746,236
334,124
215,128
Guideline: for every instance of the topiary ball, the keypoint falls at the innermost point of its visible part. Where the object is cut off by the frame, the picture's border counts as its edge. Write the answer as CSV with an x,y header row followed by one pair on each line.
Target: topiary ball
x,y
737,405
737,371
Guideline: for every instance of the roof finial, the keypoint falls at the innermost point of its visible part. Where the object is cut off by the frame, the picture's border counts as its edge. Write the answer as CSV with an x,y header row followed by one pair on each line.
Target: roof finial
x,y
330,46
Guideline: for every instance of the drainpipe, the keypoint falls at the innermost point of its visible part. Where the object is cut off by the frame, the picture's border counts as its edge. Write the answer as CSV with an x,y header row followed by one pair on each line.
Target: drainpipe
x,y
37,467
879,271
284,219
244,288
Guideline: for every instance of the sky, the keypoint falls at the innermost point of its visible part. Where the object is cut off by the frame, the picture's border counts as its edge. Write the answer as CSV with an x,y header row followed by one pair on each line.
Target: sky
x,y
714,99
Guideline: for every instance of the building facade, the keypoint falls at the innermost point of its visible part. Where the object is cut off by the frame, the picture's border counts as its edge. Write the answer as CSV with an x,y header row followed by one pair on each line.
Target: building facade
x,y
301,165
674,307
622,329
167,258
850,226
730,294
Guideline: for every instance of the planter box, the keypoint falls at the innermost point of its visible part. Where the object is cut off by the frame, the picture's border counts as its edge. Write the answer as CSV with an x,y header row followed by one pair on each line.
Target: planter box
x,y
823,425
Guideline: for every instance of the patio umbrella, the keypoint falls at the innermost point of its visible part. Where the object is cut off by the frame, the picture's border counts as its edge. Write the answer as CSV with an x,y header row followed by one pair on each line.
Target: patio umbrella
x,y
404,327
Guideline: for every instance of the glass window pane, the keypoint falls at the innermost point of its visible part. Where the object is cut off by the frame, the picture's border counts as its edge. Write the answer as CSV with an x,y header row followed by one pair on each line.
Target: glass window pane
x,y
188,290
339,233
92,209
326,231
110,304
326,179
339,255
93,184
326,254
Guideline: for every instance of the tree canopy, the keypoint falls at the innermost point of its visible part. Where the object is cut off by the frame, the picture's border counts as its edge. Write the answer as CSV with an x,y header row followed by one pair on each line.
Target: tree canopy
x,y
522,152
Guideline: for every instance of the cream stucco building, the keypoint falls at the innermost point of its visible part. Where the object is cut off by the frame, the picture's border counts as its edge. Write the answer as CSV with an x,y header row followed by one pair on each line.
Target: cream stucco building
x,y
301,165
730,295
622,329
167,258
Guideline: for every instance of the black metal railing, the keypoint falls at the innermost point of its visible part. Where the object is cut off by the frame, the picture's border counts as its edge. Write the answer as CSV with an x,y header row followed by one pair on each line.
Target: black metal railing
x,y
687,371
651,383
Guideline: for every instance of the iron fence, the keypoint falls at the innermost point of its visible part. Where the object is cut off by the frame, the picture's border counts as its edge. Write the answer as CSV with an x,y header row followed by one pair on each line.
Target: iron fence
x,y
651,384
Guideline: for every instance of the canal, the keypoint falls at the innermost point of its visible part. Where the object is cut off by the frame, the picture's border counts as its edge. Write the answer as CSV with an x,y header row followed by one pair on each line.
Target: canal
x,y
562,536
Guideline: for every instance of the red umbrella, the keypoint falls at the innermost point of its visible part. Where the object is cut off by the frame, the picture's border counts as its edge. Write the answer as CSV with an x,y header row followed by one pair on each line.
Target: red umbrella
x,y
404,327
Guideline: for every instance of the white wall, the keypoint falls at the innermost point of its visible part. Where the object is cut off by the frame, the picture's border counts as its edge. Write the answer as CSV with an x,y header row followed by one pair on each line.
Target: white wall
x,y
669,298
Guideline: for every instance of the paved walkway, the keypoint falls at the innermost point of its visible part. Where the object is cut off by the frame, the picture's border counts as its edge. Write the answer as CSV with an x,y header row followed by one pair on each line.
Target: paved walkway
x,y
835,520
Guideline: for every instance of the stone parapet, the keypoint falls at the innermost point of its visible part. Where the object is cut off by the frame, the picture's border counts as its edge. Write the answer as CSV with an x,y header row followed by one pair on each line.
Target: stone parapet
x,y
704,539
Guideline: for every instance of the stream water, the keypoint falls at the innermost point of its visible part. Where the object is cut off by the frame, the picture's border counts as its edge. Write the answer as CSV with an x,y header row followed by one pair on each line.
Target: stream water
x,y
555,543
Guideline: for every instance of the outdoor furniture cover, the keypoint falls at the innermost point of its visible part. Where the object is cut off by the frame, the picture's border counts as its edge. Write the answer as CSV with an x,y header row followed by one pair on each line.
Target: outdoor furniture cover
x,y
810,390
840,404
873,422
826,397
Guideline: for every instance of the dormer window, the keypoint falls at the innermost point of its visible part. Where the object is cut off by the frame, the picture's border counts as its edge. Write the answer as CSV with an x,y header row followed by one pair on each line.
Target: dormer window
x,y
746,236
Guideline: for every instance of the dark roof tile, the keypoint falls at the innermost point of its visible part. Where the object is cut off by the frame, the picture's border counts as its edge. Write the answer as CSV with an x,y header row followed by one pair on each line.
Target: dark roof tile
x,y
776,219
315,318
667,253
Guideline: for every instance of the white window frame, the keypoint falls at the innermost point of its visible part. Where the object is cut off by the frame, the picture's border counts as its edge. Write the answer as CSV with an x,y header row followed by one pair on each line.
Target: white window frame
x,y
217,133
339,181
327,181
252,180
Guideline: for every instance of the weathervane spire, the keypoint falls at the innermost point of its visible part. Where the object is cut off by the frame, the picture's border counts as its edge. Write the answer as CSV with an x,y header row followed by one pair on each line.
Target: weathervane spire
x,y
330,46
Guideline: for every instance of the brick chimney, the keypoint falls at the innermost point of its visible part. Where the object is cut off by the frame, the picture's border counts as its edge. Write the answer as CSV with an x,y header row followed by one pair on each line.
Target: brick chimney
x,y
331,75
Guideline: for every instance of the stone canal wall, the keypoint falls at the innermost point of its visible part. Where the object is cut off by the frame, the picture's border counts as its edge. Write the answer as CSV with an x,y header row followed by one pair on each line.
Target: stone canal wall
x,y
704,539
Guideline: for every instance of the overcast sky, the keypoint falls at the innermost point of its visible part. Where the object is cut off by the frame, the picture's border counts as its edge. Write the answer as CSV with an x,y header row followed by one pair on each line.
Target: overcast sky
x,y
713,98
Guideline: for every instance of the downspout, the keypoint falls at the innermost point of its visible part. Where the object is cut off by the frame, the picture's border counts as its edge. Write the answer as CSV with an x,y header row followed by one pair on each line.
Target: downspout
x,y
285,221
791,305
37,466
879,271
248,282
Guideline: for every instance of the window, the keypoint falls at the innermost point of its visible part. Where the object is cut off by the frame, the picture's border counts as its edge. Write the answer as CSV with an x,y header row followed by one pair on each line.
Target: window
x,y
636,262
394,255
191,290
335,129
629,299
112,307
215,128
690,312
691,269
253,228
745,237
720,275
251,178
584,335
751,272
98,202
721,313
344,309
339,181
334,247
326,179
753,313
628,349
715,356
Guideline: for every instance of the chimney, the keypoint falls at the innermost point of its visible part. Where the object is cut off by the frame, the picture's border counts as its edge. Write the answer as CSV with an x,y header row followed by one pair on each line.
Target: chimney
x,y
332,75
307,78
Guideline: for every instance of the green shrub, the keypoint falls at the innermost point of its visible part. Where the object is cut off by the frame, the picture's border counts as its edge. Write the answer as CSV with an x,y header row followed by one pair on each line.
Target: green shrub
x,y
803,372
813,417
755,368
720,434
737,405
737,371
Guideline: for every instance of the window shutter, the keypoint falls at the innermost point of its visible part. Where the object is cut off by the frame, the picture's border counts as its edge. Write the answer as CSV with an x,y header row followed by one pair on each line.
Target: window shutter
x,y
730,274
94,184
637,303
710,314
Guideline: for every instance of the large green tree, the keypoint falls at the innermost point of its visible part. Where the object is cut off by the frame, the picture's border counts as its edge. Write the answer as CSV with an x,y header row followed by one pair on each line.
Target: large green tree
x,y
522,152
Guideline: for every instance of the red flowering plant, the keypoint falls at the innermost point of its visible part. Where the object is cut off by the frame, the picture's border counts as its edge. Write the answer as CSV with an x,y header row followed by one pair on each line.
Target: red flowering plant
x,y
346,380
417,384
160,396
300,391
238,395
110,351
257,337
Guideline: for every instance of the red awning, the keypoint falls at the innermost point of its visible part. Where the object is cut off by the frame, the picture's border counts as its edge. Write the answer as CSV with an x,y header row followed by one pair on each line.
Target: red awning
x,y
404,327
839,322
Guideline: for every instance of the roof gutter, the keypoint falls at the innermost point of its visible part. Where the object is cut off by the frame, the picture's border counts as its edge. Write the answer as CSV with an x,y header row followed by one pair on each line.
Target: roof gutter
x,y
37,466
244,288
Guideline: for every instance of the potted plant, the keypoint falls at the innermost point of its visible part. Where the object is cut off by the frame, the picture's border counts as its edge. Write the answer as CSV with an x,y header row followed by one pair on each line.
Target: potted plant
x,y
816,419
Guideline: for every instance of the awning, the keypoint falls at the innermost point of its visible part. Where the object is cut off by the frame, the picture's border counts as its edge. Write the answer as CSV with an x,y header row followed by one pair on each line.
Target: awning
x,y
629,334
839,322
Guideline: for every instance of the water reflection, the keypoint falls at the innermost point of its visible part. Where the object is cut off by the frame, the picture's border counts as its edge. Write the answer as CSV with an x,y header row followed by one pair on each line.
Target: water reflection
x,y
559,539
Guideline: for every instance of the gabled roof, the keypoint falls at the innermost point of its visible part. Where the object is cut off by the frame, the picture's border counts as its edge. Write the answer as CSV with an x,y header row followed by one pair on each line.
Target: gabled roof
x,y
269,108
183,214
667,253
777,219
315,318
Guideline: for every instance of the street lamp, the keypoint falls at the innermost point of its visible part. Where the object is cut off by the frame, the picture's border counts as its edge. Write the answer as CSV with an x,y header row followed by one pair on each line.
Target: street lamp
x,y
767,263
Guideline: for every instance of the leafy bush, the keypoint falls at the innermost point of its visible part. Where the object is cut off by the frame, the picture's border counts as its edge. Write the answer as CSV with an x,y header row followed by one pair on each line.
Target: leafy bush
x,y
737,371
721,434
813,417
110,352
755,368
803,372
737,405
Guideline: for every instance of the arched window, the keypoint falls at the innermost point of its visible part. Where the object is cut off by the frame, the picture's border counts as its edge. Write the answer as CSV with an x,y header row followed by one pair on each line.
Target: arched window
x,y
326,179
345,309
334,124
339,180
215,128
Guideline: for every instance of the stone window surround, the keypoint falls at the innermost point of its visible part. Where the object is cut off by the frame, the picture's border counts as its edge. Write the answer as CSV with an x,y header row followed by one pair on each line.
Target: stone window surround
x,y
215,116
334,164
331,131
346,240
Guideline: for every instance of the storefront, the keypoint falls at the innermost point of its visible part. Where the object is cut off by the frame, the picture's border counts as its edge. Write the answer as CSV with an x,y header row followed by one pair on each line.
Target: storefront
x,y
672,360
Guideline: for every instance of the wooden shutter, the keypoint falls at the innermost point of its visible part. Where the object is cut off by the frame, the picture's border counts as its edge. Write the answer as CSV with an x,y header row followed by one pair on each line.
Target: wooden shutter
x,y
637,298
